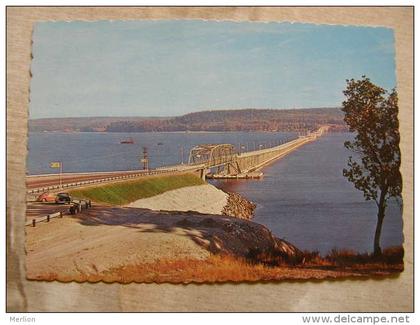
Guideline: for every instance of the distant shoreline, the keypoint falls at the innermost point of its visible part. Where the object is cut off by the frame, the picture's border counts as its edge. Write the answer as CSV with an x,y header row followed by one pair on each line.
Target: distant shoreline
x,y
192,112
202,121
171,132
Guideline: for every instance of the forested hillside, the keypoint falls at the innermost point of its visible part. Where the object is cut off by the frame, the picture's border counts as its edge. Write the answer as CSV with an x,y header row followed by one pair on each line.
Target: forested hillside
x,y
216,120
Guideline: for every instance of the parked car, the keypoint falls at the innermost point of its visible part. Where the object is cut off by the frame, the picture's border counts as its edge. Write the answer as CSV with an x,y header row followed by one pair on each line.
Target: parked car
x,y
63,198
46,197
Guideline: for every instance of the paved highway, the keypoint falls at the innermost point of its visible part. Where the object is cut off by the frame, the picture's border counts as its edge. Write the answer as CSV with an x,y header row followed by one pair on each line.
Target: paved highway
x,y
38,181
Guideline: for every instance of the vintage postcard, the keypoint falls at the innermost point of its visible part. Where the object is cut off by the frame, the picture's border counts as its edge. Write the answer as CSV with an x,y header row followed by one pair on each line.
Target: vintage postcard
x,y
209,151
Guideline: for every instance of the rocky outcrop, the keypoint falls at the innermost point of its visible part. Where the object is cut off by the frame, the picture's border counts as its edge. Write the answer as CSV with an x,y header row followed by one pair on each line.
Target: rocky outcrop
x,y
216,234
239,207
241,238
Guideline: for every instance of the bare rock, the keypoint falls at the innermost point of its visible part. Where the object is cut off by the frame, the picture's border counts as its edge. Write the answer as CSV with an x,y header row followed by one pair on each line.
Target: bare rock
x,y
239,207
241,238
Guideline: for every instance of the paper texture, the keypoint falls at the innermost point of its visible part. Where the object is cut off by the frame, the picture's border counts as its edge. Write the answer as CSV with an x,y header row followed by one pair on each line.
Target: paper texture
x,y
355,295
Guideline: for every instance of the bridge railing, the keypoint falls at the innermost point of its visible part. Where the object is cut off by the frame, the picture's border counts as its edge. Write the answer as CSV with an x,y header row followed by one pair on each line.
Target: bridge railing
x,y
97,181
275,148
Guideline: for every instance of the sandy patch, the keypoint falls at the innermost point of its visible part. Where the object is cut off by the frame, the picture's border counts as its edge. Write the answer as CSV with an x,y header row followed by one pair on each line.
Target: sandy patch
x,y
104,238
202,198
70,246
131,244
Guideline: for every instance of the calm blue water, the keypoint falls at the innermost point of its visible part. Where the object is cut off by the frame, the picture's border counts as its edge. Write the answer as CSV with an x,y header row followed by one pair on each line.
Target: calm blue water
x,y
302,198
82,152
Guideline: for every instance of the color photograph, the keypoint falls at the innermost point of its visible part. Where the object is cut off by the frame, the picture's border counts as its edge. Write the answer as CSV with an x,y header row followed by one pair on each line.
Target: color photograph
x,y
185,151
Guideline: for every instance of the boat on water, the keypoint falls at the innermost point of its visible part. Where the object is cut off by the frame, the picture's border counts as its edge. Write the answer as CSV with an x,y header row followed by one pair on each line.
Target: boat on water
x,y
127,141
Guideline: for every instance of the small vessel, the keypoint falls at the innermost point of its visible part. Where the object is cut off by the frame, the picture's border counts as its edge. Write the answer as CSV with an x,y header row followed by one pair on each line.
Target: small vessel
x,y
127,141
160,143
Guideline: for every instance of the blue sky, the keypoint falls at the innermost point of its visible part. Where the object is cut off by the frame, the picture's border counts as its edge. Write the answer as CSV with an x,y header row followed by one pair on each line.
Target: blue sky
x,y
168,68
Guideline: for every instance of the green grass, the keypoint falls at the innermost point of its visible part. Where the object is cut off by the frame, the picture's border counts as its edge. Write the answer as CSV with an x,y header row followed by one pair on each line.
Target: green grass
x,y
126,192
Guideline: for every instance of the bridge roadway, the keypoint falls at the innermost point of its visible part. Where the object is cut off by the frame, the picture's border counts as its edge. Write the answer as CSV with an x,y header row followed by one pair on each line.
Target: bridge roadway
x,y
48,182
241,163
255,160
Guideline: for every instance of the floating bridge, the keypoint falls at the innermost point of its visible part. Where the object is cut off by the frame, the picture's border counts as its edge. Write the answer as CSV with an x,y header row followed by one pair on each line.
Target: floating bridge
x,y
228,163
207,160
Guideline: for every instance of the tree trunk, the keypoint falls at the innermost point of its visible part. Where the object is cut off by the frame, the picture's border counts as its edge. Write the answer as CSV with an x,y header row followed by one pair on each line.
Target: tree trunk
x,y
381,214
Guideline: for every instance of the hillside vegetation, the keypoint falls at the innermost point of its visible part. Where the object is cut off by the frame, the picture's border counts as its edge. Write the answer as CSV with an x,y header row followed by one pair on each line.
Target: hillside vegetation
x,y
215,120
81,124
129,191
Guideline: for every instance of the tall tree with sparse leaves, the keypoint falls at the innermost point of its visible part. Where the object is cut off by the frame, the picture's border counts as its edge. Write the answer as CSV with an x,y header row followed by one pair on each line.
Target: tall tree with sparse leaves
x,y
372,113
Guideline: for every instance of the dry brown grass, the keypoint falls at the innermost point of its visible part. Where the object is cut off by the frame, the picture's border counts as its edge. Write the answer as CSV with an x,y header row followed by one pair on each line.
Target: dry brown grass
x,y
217,268
391,258
222,268
391,261
346,257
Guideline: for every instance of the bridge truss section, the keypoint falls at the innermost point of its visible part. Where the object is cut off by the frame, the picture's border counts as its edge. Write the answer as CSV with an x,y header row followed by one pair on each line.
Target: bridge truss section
x,y
215,155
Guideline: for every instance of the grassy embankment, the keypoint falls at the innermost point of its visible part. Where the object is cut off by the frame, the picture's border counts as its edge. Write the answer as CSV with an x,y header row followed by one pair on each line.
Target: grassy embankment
x,y
125,192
